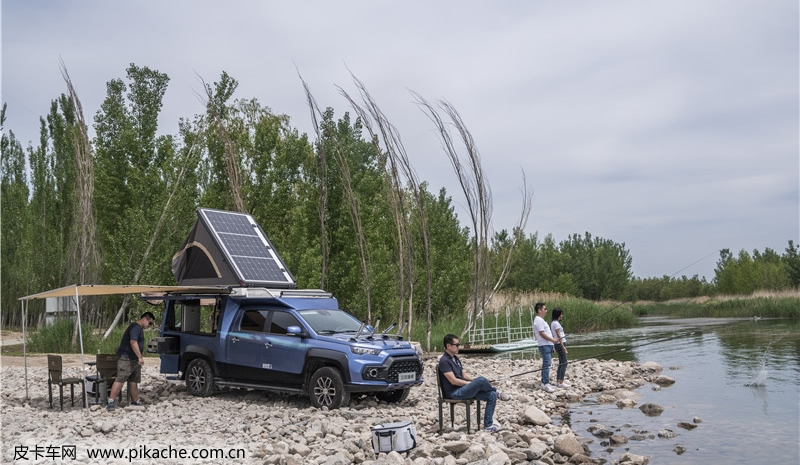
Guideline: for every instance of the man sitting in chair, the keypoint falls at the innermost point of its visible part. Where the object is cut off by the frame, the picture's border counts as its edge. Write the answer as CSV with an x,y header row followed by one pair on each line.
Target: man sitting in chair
x,y
458,385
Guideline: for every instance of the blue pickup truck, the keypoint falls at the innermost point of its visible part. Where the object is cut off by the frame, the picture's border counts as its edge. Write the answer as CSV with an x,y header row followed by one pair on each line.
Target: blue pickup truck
x,y
286,340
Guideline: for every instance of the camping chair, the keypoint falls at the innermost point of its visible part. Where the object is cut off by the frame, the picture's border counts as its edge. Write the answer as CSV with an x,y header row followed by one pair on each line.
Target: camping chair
x,y
466,402
54,369
106,375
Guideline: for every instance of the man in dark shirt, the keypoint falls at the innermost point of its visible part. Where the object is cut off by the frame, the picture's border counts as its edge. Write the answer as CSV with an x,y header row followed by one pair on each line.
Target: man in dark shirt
x,y
130,360
458,385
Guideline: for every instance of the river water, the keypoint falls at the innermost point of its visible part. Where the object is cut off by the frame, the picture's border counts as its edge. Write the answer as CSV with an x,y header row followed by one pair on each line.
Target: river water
x,y
739,376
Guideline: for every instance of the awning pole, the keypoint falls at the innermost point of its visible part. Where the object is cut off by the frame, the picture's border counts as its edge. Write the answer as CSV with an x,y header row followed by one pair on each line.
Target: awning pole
x,y
24,345
83,364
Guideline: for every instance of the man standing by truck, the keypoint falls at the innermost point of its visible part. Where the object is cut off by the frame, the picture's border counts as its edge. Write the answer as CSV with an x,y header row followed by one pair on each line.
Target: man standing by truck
x,y
130,360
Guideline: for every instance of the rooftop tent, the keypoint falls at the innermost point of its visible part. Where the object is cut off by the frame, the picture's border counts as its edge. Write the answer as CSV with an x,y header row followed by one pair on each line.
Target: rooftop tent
x,y
229,248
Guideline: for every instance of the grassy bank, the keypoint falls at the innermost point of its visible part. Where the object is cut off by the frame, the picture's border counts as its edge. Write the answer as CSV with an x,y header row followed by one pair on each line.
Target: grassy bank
x,y
764,305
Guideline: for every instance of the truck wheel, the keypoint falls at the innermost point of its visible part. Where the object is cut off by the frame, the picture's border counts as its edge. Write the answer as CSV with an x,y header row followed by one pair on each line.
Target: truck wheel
x,y
326,389
397,395
199,378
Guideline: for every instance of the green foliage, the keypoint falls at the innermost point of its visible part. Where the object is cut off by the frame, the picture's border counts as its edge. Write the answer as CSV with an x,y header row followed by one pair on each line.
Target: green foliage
x,y
746,273
15,237
667,288
791,260
58,338
592,268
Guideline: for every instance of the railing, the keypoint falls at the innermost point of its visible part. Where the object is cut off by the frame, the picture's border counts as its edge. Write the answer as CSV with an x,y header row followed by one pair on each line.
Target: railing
x,y
499,333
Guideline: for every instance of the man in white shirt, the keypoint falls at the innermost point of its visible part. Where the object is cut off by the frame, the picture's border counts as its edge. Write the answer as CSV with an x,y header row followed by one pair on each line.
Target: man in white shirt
x,y
545,340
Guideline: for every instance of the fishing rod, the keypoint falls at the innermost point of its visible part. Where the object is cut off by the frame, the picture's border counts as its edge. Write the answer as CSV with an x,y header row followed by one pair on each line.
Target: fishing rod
x,y
624,349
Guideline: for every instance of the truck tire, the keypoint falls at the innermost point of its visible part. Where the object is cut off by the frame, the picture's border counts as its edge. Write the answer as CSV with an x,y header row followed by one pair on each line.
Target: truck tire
x,y
326,389
200,378
392,397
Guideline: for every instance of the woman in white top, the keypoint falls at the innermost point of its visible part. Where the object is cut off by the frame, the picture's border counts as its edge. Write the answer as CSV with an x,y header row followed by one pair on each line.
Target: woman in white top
x,y
560,347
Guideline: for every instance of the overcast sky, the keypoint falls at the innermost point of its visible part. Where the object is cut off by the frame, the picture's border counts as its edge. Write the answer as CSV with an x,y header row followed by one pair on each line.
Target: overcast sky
x,y
671,127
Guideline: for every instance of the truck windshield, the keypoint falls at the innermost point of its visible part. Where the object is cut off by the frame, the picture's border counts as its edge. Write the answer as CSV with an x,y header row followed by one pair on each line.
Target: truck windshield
x,y
330,321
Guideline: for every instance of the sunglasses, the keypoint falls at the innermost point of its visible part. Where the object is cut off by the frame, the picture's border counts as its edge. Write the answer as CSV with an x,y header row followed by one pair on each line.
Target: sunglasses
x,y
458,344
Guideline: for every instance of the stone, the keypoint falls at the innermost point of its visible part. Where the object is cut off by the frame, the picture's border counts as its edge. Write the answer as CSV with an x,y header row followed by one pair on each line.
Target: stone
x,y
536,450
626,403
667,434
606,398
534,416
567,444
108,426
617,439
580,458
633,459
475,453
299,449
664,380
687,425
284,429
456,447
651,367
651,410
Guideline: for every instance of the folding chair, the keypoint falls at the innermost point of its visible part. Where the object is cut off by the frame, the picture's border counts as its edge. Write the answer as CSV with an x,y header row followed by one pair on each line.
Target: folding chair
x,y
106,375
466,402
54,368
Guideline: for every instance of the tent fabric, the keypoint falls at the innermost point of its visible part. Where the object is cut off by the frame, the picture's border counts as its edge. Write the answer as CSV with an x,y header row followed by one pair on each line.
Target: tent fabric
x,y
81,290
200,261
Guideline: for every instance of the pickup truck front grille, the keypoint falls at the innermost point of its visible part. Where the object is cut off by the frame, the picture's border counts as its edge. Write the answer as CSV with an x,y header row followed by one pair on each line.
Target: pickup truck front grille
x,y
401,365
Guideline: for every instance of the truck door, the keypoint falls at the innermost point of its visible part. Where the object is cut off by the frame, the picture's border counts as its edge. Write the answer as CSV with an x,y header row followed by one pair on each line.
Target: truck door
x,y
245,346
285,353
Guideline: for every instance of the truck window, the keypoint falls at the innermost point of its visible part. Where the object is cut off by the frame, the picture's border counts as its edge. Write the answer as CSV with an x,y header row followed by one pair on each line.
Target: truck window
x,y
253,320
281,321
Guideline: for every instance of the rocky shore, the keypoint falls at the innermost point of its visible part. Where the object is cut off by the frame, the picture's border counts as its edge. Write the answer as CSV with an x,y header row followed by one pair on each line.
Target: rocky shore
x,y
254,427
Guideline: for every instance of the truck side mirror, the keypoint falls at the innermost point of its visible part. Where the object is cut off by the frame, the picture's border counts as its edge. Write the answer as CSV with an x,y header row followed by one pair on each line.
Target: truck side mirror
x,y
295,331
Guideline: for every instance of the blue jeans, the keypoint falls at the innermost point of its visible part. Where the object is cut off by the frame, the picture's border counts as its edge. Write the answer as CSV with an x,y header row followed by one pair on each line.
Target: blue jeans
x,y
479,388
562,363
547,359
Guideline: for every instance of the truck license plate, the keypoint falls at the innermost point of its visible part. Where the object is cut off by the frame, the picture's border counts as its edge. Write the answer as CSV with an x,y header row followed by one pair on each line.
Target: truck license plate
x,y
411,376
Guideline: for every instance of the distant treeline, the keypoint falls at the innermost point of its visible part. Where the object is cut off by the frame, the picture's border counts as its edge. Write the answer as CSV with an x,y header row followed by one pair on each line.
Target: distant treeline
x,y
740,274
114,210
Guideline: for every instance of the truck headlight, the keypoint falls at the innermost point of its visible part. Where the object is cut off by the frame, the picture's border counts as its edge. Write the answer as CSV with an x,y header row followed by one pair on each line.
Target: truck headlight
x,y
364,350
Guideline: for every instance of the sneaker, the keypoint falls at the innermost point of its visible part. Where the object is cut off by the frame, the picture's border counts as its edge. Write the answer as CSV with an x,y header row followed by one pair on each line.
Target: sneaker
x,y
564,385
490,429
548,388
503,396
137,403
110,407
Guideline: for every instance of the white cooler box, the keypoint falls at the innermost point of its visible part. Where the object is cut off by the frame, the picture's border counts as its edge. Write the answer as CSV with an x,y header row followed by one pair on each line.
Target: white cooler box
x,y
400,437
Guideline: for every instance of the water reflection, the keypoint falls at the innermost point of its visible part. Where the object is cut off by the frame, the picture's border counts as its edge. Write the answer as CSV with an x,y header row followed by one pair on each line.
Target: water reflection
x,y
728,371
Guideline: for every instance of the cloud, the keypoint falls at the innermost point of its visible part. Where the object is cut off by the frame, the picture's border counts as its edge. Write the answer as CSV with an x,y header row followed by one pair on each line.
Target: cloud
x,y
672,127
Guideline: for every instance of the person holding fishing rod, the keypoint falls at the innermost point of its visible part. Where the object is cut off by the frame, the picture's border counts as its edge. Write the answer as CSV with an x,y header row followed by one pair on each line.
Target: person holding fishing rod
x,y
545,340
558,331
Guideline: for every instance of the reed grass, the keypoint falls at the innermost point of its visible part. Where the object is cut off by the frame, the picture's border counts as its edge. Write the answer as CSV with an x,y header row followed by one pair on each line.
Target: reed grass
x,y
758,305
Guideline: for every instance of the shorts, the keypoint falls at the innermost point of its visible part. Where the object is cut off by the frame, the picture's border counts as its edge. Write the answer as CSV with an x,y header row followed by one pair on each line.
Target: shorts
x,y
128,370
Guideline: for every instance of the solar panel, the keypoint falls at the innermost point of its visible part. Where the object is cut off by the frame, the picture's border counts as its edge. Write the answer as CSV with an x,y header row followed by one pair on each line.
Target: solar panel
x,y
247,248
